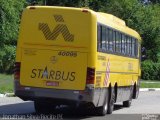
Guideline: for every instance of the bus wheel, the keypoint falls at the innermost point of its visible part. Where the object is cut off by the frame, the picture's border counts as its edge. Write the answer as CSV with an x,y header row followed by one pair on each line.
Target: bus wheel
x,y
127,103
42,107
111,101
135,91
102,110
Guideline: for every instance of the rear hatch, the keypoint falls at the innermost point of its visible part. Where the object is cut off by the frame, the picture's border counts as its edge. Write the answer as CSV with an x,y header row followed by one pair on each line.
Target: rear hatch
x,y
54,44
50,69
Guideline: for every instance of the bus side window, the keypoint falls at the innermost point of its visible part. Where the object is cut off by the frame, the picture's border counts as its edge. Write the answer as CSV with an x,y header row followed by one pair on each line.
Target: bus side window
x,y
125,39
123,44
133,47
118,43
127,46
99,37
136,48
110,41
107,39
103,39
130,46
114,41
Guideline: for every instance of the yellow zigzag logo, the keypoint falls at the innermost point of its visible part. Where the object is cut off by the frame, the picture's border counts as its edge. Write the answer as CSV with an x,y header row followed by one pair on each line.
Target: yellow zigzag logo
x,y
60,28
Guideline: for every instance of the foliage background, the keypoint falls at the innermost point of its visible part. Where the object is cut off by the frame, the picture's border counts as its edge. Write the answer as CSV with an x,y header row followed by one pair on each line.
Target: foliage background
x,y
141,15
10,12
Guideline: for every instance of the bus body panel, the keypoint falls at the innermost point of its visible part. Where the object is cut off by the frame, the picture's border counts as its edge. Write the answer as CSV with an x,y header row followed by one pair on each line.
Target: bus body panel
x,y
53,69
55,27
53,48
122,70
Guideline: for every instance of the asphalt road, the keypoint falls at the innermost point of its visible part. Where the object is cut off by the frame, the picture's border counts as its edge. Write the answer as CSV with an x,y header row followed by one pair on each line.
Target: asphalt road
x,y
146,106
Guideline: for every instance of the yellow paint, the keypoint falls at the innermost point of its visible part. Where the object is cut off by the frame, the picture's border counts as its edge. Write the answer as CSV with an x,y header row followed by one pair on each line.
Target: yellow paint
x,y
120,70
36,53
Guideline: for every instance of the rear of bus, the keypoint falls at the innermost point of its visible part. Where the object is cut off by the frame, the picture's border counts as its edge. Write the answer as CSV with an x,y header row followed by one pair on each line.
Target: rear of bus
x,y
55,49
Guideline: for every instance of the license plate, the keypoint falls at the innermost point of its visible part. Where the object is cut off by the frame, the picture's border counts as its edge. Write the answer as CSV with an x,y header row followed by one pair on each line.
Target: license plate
x,y
52,83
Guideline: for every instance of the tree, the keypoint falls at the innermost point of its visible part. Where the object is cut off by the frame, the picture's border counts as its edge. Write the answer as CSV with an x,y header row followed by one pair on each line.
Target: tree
x,y
143,18
155,1
9,20
10,11
68,3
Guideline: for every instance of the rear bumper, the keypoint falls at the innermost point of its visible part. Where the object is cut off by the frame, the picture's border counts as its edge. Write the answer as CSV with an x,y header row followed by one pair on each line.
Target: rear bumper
x,y
56,95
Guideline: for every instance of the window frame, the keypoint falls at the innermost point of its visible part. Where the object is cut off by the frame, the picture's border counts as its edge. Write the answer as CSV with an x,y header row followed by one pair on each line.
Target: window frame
x,y
127,41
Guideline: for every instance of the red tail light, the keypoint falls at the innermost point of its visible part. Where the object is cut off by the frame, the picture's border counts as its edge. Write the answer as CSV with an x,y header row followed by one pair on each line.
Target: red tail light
x,y
90,76
17,71
32,8
85,10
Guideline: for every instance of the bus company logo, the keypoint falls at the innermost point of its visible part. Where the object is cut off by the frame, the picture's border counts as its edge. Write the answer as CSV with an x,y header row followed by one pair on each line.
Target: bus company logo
x,y
53,59
51,74
60,28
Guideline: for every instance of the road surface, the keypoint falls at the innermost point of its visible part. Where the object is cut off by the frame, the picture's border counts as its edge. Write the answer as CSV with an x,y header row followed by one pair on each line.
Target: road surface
x,y
146,106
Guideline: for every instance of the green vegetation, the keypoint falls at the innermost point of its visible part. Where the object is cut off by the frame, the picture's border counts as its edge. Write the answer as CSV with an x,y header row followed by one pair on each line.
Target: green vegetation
x,y
150,84
6,83
150,70
10,12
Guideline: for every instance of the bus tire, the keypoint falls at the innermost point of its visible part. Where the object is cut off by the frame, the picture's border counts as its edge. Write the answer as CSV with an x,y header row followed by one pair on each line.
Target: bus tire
x,y
135,91
111,100
102,110
38,107
42,107
127,103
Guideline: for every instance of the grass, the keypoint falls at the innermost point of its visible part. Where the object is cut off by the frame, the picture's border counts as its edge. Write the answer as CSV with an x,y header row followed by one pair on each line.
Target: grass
x,y
6,83
150,84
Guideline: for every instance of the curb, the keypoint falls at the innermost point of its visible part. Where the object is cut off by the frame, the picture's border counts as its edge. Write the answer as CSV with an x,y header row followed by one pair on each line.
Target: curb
x,y
1,95
149,89
7,95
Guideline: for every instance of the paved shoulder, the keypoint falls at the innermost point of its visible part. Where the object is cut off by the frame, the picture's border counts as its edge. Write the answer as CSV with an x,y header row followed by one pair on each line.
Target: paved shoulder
x,y
149,89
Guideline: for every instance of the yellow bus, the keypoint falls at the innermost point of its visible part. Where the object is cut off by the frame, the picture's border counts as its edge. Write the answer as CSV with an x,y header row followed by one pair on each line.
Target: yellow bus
x,y
77,57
